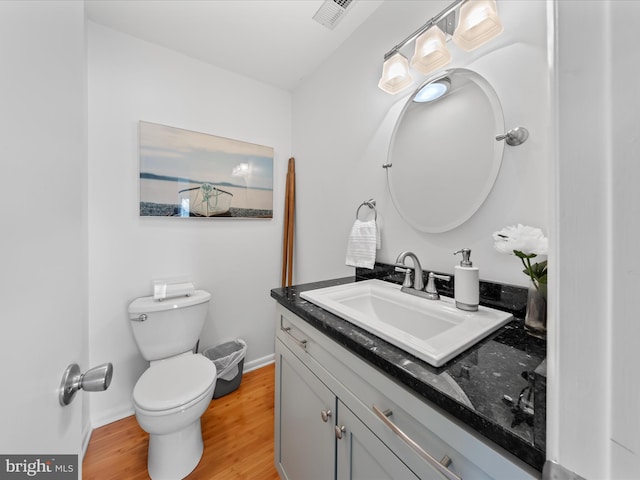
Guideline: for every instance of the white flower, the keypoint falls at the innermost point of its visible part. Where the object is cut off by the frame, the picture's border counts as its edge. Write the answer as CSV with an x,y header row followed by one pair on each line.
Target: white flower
x,y
521,238
525,243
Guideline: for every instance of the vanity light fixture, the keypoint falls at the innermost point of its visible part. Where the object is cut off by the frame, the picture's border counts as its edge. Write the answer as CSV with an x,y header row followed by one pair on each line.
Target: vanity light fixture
x,y
431,51
395,74
478,23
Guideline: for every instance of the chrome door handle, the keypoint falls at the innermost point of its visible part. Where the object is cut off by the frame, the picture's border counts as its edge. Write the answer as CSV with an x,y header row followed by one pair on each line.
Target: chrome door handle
x,y
440,466
339,431
96,379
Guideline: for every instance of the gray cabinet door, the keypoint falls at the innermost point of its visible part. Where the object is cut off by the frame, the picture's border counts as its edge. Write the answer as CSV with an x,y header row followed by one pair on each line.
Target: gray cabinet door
x,y
362,455
306,440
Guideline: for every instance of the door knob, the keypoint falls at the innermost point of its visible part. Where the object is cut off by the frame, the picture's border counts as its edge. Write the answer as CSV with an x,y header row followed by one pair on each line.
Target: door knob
x,y
339,430
96,379
325,414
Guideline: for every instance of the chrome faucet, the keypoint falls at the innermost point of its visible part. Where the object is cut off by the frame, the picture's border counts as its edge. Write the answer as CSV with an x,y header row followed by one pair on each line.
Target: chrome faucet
x,y
418,283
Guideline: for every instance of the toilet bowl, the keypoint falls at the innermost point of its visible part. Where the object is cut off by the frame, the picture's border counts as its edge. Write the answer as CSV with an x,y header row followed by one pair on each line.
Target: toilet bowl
x,y
172,394
169,399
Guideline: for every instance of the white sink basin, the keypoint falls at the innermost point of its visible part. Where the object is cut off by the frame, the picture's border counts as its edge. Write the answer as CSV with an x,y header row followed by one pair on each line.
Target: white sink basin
x,y
432,330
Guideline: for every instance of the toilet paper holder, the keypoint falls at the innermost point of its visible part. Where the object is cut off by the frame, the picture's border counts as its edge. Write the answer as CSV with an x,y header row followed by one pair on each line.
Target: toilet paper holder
x,y
96,379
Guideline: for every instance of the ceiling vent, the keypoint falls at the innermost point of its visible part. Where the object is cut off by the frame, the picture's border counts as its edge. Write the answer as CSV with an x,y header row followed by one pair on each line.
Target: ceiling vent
x,y
331,12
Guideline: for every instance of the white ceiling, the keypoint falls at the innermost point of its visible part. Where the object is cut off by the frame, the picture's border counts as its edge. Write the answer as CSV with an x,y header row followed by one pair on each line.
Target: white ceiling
x,y
274,41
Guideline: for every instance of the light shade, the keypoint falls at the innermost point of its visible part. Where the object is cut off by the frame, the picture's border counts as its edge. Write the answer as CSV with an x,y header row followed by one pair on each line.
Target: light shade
x,y
395,74
479,23
431,51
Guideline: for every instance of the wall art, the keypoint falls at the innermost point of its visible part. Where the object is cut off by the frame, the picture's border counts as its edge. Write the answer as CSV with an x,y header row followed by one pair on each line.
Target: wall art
x,y
190,174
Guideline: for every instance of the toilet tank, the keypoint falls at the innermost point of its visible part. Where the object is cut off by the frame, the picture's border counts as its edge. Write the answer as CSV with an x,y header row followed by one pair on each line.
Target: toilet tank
x,y
170,327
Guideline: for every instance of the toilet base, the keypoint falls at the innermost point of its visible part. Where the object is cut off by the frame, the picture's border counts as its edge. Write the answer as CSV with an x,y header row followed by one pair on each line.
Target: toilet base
x,y
175,455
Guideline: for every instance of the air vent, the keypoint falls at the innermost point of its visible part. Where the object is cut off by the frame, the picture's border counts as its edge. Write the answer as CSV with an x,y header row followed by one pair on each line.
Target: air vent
x,y
331,12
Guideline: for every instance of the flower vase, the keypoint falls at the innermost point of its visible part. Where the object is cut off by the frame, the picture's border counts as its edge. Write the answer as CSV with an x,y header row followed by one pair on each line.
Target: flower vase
x,y
535,320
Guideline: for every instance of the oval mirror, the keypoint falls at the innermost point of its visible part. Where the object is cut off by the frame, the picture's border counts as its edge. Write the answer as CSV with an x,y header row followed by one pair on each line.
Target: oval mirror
x,y
444,155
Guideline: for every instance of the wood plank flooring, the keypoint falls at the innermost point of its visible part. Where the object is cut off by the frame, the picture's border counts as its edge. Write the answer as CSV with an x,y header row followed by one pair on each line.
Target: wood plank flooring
x,y
237,430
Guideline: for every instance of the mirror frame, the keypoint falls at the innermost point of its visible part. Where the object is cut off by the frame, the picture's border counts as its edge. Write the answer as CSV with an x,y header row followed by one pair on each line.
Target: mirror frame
x,y
467,166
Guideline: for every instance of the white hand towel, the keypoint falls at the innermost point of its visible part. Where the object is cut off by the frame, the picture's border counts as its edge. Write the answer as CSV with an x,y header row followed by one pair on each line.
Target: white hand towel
x,y
361,247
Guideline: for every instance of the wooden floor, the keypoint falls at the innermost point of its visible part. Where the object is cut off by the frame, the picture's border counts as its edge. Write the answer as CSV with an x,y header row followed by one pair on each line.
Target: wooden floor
x,y
237,430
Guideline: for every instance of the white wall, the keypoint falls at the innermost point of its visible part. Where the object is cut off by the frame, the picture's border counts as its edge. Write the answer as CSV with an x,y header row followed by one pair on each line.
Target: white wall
x,y
625,227
594,391
342,130
237,260
579,338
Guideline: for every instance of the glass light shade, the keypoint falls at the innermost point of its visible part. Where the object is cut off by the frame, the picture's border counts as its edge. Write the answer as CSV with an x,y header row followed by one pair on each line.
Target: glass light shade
x,y
479,23
395,74
431,51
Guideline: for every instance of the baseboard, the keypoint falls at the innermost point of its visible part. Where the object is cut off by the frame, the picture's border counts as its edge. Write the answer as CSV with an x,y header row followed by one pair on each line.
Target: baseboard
x,y
87,431
111,417
259,363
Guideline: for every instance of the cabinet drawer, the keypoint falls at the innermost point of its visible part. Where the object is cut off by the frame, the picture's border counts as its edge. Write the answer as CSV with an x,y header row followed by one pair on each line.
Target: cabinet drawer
x,y
413,438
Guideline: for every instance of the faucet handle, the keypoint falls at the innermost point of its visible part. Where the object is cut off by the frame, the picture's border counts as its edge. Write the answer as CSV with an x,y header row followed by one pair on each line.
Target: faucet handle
x,y
431,289
446,278
407,275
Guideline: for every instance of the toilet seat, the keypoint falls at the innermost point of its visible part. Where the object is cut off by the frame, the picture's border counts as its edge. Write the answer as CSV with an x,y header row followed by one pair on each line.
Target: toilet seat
x,y
174,383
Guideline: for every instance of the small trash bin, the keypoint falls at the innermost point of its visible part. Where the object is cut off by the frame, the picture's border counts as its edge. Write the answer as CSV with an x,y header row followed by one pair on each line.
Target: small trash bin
x,y
229,361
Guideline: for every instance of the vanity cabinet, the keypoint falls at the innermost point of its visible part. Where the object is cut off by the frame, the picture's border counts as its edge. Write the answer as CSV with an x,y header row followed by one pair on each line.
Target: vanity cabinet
x,y
314,446
338,417
360,455
306,426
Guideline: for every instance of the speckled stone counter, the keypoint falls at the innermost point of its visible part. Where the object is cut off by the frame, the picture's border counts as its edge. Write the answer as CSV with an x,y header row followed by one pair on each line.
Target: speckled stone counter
x,y
490,387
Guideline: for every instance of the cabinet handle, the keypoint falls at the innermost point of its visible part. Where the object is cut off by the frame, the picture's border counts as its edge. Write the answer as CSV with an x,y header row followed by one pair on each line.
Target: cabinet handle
x,y
325,414
441,467
300,343
339,431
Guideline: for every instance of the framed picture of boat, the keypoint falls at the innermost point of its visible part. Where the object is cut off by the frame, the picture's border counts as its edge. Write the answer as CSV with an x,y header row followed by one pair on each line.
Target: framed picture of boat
x,y
190,174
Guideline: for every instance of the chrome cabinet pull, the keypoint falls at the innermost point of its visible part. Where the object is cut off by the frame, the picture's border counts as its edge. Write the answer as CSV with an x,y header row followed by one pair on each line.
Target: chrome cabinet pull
x,y
440,466
339,431
300,343
325,415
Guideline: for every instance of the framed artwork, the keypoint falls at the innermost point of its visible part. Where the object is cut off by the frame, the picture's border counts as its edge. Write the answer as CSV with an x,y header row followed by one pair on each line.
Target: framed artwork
x,y
191,174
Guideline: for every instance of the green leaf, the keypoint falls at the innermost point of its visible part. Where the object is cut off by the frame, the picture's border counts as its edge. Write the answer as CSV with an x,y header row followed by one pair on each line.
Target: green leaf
x,y
539,269
520,254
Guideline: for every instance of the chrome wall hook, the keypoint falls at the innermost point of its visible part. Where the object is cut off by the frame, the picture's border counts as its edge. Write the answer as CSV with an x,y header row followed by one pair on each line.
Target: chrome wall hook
x,y
515,136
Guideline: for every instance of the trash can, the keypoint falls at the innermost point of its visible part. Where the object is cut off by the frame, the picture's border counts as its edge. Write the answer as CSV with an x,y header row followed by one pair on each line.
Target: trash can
x,y
229,361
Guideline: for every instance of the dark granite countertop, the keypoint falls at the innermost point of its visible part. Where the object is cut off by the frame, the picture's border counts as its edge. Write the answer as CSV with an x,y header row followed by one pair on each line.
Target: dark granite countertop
x,y
489,387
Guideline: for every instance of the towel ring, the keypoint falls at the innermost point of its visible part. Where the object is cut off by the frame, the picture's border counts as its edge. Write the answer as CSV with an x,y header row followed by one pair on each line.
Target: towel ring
x,y
371,203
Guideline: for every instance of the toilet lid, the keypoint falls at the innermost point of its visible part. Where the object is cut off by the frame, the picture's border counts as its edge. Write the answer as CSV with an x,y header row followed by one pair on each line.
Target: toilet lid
x,y
174,382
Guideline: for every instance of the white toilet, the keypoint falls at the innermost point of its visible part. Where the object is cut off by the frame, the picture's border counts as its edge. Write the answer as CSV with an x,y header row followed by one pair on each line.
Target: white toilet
x,y
173,393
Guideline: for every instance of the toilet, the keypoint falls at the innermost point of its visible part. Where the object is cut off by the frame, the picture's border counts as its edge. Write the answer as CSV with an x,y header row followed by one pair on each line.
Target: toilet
x,y
172,394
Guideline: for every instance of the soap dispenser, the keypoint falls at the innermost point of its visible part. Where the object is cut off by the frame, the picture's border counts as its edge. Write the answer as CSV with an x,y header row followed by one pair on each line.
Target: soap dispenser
x,y
467,283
